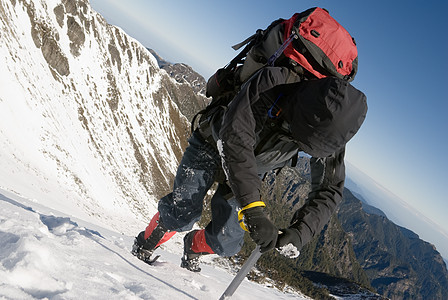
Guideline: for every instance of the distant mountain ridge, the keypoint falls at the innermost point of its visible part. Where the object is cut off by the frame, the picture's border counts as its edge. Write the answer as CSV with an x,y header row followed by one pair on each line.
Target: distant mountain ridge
x,y
390,258
370,192
398,263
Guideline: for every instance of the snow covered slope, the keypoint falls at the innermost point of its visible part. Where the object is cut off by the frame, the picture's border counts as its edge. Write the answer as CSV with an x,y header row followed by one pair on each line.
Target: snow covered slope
x,y
85,118
47,254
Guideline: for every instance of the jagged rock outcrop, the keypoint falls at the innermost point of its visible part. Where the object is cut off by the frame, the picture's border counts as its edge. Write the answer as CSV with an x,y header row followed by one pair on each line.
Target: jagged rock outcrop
x,y
192,97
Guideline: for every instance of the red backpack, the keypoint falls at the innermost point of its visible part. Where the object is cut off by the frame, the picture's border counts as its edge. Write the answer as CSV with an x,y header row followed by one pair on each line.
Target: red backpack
x,y
312,43
323,47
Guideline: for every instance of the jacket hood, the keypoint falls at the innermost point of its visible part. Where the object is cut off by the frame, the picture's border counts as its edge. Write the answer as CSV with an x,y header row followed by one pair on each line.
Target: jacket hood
x,y
324,114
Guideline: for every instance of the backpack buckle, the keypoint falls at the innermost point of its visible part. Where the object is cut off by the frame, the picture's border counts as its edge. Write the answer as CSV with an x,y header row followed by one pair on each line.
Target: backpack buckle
x,y
274,111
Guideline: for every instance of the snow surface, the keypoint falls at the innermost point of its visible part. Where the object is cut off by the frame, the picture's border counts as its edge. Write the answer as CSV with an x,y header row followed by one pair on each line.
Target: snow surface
x,y
289,250
49,254
60,141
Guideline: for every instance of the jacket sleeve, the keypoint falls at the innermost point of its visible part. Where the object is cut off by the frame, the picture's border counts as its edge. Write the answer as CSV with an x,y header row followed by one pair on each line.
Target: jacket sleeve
x,y
237,136
327,185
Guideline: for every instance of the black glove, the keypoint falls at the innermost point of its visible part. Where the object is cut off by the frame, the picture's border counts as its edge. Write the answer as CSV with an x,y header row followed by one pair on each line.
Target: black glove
x,y
289,236
261,229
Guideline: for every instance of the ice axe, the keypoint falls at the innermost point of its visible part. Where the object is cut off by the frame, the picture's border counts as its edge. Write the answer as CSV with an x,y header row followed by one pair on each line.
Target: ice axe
x,y
250,262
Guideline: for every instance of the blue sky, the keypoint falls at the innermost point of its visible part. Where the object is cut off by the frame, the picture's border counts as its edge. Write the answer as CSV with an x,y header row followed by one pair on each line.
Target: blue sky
x,y
403,64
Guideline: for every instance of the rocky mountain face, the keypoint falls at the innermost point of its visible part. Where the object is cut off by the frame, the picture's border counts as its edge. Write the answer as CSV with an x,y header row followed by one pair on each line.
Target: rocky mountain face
x,y
192,84
85,108
182,73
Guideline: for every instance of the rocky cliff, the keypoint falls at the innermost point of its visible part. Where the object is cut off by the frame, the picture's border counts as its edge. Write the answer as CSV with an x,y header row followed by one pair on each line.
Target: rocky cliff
x,y
85,108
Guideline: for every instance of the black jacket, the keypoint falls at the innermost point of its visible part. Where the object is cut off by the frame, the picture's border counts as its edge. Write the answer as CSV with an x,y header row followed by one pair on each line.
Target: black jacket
x,y
316,116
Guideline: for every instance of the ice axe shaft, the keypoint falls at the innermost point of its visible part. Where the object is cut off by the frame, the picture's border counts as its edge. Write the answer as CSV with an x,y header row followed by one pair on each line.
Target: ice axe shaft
x,y
250,262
